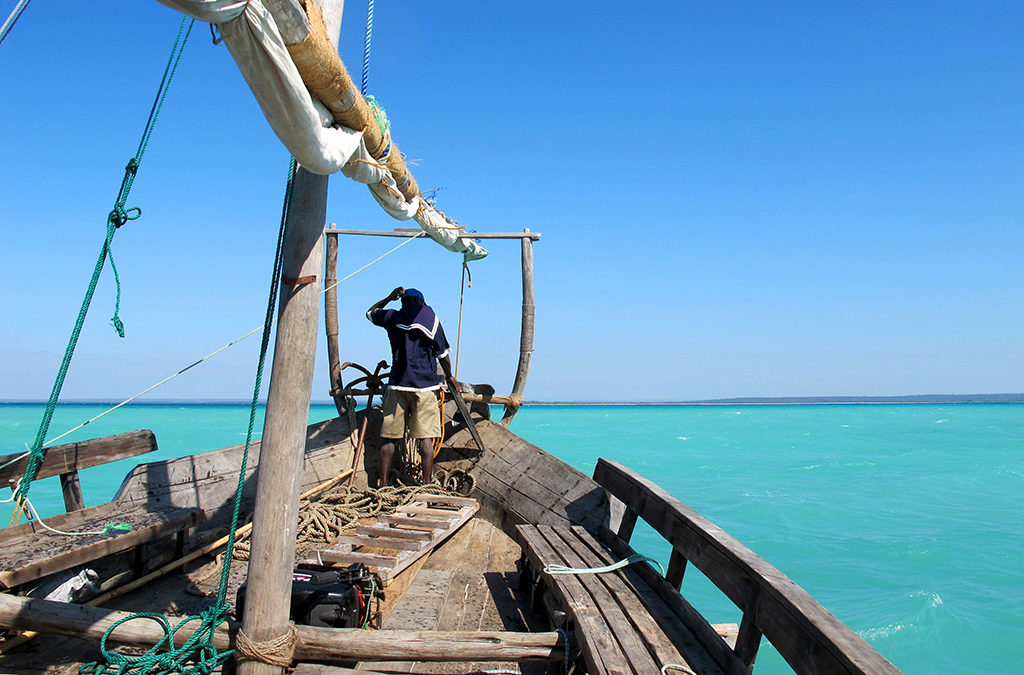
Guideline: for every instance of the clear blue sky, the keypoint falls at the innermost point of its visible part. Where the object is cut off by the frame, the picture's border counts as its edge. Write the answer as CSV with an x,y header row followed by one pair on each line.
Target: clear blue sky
x,y
736,199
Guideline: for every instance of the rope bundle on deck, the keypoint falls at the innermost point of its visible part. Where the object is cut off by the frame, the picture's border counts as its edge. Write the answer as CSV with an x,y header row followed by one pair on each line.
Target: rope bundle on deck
x,y
322,520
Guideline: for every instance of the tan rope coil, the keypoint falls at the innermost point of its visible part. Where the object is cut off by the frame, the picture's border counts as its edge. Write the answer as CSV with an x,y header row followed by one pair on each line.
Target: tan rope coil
x,y
323,520
278,651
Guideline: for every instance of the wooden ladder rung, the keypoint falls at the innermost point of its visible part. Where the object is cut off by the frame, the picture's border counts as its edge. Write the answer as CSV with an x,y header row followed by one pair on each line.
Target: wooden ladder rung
x,y
394,532
427,511
445,499
372,559
433,524
381,542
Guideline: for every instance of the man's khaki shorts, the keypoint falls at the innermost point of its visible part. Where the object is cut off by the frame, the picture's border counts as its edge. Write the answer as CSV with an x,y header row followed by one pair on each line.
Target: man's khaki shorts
x,y
417,408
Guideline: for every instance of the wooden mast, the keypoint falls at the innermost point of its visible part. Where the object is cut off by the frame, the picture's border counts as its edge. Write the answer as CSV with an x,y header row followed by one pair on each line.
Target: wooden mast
x,y
526,333
275,518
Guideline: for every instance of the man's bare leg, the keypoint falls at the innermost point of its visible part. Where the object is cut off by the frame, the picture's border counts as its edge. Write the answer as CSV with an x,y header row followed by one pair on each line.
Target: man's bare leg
x,y
427,457
387,454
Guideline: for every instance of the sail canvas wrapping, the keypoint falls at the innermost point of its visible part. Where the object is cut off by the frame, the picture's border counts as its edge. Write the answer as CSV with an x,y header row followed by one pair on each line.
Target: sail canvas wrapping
x,y
308,127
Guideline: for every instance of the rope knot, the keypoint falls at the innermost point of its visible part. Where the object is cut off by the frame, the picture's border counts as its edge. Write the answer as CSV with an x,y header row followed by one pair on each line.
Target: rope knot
x,y
277,651
119,215
132,166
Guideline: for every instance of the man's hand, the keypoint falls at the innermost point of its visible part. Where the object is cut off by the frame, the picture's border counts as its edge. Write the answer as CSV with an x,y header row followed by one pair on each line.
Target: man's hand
x,y
454,384
396,294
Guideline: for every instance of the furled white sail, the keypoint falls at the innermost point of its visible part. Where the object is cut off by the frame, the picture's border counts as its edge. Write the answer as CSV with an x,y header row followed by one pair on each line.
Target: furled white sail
x,y
305,125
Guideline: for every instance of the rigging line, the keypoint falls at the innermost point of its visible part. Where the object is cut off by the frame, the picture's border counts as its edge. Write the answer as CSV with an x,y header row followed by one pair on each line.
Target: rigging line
x,y
208,356
376,260
462,295
115,219
116,527
366,46
151,388
16,14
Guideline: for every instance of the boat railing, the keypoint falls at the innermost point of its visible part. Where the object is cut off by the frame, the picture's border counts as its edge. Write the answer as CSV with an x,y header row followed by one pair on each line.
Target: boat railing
x,y
68,459
805,634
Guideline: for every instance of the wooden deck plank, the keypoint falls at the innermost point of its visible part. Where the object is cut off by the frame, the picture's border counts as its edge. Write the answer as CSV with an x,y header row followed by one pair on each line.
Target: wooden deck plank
x,y
591,631
28,555
394,532
622,629
381,562
444,499
647,626
379,542
62,459
428,523
657,591
428,511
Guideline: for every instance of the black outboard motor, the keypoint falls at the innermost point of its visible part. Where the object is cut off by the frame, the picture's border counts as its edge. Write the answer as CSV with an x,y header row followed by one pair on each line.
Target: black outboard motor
x,y
330,597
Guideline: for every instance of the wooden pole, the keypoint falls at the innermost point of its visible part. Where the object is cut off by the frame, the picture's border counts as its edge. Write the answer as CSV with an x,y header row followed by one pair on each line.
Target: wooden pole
x,y
314,644
282,449
526,334
331,321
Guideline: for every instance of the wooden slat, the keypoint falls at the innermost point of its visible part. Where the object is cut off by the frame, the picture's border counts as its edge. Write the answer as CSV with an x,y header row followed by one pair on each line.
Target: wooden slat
x,y
805,633
371,559
381,542
414,544
428,511
431,523
406,233
694,622
445,499
654,621
591,631
63,459
622,628
394,532
28,556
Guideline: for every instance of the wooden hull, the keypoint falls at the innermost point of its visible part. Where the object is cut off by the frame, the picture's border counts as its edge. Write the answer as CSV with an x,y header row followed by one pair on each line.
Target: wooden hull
x,y
480,579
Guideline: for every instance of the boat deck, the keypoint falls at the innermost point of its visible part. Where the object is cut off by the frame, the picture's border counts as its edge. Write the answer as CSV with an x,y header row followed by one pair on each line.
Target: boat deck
x,y
468,583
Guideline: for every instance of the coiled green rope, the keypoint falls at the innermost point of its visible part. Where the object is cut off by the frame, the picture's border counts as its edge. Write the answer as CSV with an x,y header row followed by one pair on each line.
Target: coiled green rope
x,y
198,656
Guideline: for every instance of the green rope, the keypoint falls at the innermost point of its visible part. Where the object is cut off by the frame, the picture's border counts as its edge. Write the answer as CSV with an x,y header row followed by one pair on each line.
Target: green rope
x,y
115,219
555,568
198,656
379,116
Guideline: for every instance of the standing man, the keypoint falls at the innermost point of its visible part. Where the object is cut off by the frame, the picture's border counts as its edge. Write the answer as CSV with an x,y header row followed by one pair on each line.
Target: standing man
x,y
417,345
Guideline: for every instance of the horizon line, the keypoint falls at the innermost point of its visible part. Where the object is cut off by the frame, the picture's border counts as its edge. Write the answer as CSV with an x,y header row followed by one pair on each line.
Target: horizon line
x,y
741,400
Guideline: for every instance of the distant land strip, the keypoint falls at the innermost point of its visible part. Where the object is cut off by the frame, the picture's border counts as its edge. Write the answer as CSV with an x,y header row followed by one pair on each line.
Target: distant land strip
x,y
947,399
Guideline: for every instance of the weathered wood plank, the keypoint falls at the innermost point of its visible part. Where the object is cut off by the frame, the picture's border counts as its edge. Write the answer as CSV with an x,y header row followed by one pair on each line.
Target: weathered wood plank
x,y
445,499
805,633
347,558
655,590
427,523
596,644
314,644
407,232
428,511
381,542
653,620
676,568
28,556
622,628
71,457
394,532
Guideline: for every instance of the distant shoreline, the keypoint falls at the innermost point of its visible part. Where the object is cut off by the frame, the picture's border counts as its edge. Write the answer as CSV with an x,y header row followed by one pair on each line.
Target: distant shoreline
x,y
917,399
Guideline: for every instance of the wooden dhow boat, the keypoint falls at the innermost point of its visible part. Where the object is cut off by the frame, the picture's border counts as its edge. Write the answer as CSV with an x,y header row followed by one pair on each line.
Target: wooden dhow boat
x,y
512,561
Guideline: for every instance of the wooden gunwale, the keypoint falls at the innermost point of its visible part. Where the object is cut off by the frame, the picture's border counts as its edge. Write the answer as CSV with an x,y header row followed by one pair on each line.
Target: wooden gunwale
x,y
806,635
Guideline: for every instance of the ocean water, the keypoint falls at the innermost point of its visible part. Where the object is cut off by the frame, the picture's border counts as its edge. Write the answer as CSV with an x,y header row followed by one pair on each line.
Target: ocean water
x,y
905,521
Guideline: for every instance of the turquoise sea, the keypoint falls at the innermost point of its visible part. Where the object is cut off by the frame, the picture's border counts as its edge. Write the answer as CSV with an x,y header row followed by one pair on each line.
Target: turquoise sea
x,y
905,521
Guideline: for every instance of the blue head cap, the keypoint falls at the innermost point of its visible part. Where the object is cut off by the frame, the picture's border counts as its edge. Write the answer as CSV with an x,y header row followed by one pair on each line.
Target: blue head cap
x,y
413,293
